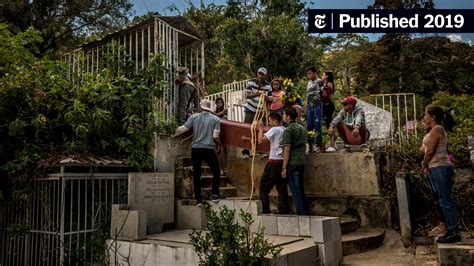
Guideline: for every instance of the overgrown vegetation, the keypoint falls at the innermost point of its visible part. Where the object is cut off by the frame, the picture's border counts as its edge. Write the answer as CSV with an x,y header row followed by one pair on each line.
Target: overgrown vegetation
x,y
43,113
407,159
226,242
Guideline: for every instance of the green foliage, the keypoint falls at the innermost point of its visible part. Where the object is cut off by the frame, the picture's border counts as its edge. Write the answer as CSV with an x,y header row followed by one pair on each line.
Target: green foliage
x,y
463,116
62,23
241,37
398,63
109,113
16,230
228,243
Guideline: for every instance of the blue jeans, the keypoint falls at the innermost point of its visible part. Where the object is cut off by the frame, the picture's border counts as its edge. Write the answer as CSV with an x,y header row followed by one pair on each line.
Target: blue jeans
x,y
296,183
441,182
314,121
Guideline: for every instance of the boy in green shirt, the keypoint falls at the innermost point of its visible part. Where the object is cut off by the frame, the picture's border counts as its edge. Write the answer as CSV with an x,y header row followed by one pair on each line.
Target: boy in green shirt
x,y
294,143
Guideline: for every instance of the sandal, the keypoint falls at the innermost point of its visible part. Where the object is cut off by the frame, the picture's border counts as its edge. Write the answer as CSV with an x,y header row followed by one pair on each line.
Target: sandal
x,y
437,231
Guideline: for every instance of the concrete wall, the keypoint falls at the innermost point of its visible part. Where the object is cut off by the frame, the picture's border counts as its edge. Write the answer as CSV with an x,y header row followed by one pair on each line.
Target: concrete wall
x,y
329,174
167,149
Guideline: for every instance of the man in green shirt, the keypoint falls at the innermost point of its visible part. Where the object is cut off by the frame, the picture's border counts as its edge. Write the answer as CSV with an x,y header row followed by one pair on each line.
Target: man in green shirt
x,y
294,143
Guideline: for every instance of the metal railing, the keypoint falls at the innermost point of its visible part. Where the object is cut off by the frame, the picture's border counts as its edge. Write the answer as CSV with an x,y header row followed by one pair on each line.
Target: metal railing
x,y
141,42
402,107
62,218
234,98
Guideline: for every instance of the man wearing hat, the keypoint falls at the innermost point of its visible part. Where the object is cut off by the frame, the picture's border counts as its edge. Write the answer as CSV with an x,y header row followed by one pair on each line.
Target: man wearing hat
x,y
187,94
206,130
350,123
255,87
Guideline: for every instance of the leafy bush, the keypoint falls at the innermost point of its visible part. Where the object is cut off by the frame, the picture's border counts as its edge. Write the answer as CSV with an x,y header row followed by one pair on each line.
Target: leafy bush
x,y
228,243
107,113
463,110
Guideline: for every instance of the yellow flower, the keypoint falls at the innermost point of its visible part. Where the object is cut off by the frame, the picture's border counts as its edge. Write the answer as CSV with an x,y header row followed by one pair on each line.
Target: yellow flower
x,y
43,119
311,133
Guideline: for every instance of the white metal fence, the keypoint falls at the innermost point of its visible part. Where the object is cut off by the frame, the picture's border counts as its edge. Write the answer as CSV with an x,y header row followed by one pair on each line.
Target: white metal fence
x,y
234,98
66,220
402,106
172,36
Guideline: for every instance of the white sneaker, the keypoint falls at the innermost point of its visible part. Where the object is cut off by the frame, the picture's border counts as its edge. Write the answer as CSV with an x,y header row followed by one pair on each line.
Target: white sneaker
x,y
262,155
245,156
316,149
331,149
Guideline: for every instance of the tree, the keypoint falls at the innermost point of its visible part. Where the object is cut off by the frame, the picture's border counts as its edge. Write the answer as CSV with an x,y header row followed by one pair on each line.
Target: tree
x,y
429,65
345,50
62,21
241,37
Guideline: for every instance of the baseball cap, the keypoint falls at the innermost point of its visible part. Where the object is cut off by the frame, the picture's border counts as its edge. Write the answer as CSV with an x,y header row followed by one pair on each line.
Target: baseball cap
x,y
263,70
349,100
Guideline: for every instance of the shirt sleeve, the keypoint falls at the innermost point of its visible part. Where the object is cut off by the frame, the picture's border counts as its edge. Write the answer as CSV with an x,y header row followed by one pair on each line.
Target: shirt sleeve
x,y
287,136
359,119
270,133
338,118
189,123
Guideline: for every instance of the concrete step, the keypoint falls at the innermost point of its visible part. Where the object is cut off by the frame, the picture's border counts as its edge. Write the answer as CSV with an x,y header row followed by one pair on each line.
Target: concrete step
x,y
206,181
225,192
349,224
174,248
187,171
183,161
460,253
362,240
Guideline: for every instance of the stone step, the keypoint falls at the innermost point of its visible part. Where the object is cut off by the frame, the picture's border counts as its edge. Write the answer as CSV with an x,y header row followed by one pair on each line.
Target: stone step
x,y
183,161
224,192
362,240
187,171
174,248
460,253
206,181
349,224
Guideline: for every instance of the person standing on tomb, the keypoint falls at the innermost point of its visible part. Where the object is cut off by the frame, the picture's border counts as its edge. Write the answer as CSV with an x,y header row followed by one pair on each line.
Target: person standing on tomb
x,y
255,88
272,174
187,94
439,170
206,130
294,143
314,111
276,104
350,123
327,93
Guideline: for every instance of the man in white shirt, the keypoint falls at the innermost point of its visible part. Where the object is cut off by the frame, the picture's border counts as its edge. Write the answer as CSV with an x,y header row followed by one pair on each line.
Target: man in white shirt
x,y
272,174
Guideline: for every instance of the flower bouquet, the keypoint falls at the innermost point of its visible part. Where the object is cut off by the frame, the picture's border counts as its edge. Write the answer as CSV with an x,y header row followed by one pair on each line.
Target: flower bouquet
x,y
290,97
311,136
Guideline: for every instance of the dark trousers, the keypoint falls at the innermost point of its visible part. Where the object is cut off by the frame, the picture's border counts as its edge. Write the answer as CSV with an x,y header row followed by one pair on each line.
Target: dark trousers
x,y
209,156
272,177
328,110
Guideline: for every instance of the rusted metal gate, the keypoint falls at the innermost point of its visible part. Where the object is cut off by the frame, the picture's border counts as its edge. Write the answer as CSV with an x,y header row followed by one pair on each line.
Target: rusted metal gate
x,y
172,36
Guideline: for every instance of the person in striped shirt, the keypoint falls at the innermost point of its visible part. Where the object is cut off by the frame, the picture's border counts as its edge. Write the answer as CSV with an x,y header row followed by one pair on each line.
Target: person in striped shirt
x,y
255,87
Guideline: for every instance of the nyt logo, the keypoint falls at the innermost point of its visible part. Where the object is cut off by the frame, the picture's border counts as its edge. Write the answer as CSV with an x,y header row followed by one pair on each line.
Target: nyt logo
x,y
319,21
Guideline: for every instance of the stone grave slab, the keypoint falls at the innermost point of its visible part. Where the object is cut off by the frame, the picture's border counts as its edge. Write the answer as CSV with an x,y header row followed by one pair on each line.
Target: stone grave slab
x,y
153,193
